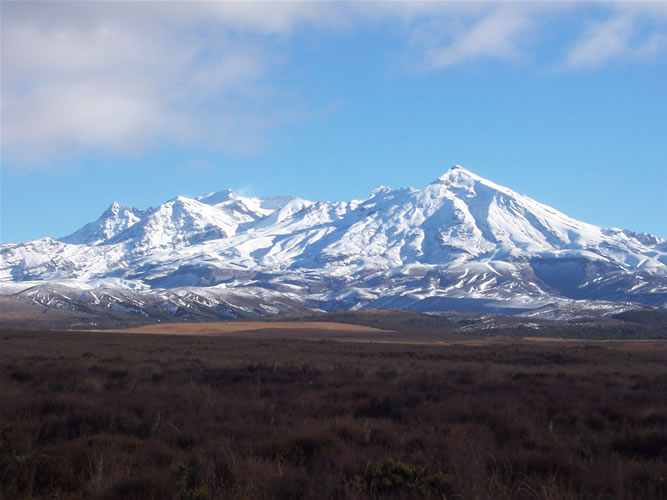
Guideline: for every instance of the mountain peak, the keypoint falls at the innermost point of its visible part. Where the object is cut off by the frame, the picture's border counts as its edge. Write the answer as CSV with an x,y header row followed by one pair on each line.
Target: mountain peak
x,y
114,208
113,220
218,197
458,177
380,190
457,172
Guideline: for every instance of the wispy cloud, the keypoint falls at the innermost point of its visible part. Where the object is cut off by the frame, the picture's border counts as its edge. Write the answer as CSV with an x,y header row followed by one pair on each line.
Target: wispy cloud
x,y
623,35
125,76
495,35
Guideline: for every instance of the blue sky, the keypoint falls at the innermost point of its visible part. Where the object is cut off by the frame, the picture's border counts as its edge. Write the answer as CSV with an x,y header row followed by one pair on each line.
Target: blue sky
x,y
140,102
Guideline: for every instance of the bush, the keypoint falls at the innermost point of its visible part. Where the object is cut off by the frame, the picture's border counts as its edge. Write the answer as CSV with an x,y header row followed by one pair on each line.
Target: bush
x,y
399,478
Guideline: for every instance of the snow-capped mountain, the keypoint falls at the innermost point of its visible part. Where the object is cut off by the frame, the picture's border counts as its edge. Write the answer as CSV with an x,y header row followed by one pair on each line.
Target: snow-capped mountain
x,y
114,220
461,242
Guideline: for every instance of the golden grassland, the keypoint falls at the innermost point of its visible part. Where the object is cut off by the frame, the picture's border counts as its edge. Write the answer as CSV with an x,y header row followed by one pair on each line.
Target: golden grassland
x,y
307,329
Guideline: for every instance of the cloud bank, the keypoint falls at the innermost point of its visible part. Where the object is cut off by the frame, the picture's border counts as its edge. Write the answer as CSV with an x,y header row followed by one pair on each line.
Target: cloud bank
x,y
123,77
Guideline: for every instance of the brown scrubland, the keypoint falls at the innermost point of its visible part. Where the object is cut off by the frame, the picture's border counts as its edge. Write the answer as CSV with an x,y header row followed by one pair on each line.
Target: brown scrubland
x,y
101,415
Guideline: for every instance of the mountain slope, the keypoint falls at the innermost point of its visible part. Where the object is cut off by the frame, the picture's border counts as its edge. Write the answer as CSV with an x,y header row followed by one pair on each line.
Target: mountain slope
x,y
460,242
113,220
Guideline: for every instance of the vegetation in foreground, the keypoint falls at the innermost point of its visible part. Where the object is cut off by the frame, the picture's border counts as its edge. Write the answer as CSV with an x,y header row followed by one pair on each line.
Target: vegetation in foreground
x,y
95,415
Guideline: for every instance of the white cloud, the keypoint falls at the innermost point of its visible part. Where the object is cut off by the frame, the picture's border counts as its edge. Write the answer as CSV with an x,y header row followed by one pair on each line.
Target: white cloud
x,y
495,35
123,76
603,42
622,36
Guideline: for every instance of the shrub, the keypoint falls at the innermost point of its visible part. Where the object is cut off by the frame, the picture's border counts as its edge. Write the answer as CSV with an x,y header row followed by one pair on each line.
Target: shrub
x,y
399,478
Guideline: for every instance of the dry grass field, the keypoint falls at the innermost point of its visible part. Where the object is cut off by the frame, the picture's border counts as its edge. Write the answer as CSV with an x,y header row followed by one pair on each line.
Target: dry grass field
x,y
100,415
284,329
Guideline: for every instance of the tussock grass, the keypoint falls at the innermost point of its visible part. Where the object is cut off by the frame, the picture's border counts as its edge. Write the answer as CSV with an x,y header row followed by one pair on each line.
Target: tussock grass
x,y
104,416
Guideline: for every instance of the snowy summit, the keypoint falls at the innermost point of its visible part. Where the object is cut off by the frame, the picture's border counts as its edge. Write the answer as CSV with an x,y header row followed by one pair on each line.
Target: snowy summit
x,y
461,242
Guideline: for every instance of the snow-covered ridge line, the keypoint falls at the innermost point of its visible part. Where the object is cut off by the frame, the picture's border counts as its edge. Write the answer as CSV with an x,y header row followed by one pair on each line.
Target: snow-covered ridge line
x,y
460,242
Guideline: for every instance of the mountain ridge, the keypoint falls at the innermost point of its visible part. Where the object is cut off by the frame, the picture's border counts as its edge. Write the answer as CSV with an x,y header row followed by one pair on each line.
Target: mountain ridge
x,y
460,242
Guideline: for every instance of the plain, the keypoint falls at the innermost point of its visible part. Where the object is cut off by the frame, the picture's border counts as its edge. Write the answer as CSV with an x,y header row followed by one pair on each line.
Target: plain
x,y
108,415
